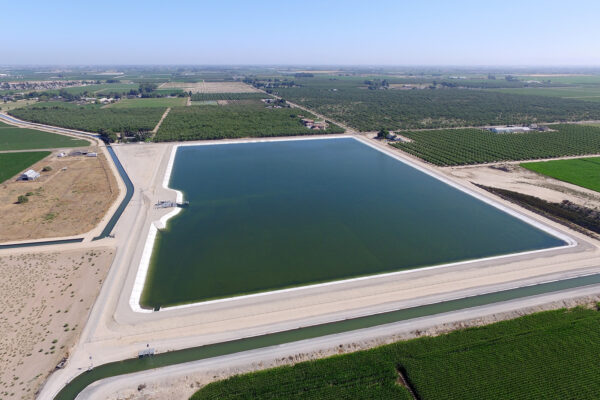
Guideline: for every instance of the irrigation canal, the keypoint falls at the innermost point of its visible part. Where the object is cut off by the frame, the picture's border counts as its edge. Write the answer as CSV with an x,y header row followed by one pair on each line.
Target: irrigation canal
x,y
118,212
74,387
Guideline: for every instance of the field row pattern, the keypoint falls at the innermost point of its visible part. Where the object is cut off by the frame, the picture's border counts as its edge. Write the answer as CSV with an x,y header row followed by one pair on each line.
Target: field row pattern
x,y
232,121
474,146
368,110
545,355
93,119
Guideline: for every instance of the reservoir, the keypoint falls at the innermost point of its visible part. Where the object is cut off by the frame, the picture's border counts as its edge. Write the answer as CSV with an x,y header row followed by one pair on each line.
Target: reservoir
x,y
279,214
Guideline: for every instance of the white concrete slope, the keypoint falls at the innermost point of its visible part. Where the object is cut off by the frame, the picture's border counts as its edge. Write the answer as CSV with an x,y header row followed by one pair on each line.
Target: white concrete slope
x,y
117,330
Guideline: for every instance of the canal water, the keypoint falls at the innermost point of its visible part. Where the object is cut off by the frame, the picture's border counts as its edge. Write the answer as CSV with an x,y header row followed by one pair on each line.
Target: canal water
x,y
198,353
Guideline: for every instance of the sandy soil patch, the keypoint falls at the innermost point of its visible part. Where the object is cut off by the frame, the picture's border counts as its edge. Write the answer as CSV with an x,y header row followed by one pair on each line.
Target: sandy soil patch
x,y
513,177
70,199
210,87
45,300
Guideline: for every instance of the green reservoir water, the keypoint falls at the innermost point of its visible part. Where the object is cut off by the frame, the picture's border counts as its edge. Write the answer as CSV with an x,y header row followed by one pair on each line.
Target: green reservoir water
x,y
273,215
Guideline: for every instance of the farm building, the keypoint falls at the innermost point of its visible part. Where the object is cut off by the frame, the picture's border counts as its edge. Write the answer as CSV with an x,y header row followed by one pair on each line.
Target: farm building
x,y
312,124
29,175
509,129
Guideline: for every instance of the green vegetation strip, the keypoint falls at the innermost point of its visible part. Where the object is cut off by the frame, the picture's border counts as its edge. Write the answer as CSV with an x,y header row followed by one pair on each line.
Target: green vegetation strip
x,y
91,118
584,172
550,354
199,353
474,146
234,121
14,138
13,163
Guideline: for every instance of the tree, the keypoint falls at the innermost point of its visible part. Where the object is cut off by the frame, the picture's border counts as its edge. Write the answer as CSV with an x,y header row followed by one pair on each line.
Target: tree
x,y
22,199
147,87
383,133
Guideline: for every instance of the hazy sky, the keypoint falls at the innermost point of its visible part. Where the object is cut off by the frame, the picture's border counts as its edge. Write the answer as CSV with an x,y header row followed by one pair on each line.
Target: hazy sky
x,y
412,32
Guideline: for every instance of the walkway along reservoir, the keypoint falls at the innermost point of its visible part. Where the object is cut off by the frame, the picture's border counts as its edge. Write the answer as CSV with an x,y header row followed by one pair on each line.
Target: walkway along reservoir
x,y
272,215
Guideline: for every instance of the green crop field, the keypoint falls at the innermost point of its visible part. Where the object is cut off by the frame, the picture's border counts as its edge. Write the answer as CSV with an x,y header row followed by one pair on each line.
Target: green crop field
x,y
91,118
473,146
584,172
588,93
163,102
233,121
13,163
548,355
368,110
14,138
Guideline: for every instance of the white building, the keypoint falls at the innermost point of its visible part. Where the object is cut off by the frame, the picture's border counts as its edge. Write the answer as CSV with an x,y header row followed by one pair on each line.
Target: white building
x,y
29,175
510,129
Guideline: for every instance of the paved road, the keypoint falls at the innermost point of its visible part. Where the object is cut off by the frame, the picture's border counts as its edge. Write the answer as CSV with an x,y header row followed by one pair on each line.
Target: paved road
x,y
186,373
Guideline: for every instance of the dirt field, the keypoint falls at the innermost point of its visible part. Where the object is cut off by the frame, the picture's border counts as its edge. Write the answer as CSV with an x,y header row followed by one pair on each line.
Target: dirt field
x,y
511,176
68,200
11,105
45,301
210,87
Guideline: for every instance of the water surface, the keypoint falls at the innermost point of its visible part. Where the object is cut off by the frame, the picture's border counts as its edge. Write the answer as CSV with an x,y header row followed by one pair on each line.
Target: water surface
x,y
272,215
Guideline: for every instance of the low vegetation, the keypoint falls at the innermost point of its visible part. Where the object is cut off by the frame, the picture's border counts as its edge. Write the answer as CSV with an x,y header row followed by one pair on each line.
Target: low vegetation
x,y
14,138
91,118
13,163
234,121
545,355
582,172
473,146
